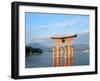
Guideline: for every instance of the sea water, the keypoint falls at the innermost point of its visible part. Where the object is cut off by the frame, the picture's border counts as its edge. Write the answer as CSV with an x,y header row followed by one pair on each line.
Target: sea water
x,y
45,60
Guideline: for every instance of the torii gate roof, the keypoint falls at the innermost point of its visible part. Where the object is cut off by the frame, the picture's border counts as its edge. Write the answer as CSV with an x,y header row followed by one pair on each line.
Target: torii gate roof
x,y
64,37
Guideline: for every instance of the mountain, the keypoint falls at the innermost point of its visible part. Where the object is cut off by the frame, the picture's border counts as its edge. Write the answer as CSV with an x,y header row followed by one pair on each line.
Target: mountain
x,y
81,47
37,45
78,47
82,38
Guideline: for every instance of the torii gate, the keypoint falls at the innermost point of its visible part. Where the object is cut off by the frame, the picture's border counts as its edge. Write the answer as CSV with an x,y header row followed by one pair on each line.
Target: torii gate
x,y
68,50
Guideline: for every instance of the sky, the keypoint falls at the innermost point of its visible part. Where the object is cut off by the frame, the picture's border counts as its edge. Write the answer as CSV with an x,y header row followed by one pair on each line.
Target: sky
x,y
41,26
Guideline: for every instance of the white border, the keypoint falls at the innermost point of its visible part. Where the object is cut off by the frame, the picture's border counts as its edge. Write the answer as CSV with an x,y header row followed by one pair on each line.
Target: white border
x,y
51,70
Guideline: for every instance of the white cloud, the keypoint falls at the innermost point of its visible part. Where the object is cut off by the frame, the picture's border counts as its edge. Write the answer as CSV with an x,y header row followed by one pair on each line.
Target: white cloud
x,y
41,38
42,27
84,32
67,23
71,22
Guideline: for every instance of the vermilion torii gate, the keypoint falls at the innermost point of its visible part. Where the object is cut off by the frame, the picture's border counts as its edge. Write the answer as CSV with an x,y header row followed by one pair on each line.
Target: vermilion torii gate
x,y
67,50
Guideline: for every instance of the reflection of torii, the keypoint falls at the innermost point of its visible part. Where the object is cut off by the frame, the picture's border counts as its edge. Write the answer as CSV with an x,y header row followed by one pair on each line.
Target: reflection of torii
x,y
57,50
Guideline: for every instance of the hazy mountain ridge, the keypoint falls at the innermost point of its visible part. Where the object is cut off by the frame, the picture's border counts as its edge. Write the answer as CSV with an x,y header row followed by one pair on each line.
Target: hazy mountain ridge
x,y
78,47
81,47
82,38
37,45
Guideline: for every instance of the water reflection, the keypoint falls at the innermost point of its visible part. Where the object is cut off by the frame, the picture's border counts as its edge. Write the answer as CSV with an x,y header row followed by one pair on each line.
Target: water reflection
x,y
59,62
64,56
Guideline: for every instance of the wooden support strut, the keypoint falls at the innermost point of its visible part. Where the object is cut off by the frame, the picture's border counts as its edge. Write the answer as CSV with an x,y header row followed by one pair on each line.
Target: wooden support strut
x,y
57,56
53,56
72,55
65,56
60,57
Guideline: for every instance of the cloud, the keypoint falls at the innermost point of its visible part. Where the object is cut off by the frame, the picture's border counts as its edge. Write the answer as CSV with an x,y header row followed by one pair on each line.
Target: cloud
x,y
41,38
71,22
36,39
42,27
66,23
29,31
82,38
84,32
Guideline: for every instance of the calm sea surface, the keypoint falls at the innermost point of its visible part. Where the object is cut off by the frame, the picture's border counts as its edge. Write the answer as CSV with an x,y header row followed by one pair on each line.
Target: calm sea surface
x,y
45,60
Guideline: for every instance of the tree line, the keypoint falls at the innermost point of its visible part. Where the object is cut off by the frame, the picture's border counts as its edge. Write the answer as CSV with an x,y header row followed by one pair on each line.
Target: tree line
x,y
30,50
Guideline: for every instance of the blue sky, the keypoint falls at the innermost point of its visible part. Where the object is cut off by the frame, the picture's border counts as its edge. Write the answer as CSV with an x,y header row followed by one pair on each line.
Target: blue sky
x,y
41,26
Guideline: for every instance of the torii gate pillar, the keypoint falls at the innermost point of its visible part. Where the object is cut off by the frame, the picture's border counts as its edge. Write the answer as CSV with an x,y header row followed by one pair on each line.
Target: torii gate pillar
x,y
57,51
